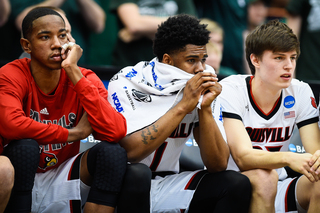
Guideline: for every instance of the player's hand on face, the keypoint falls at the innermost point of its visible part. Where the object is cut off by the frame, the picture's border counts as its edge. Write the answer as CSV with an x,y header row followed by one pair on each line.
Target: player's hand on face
x,y
211,94
300,163
70,54
210,88
200,84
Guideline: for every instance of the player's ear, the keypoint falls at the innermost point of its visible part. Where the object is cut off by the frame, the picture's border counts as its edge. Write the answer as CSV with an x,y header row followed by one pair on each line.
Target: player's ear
x,y
167,59
25,44
254,60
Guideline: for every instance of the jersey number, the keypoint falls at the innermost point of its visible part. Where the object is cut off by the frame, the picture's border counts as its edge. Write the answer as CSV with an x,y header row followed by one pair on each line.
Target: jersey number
x,y
158,156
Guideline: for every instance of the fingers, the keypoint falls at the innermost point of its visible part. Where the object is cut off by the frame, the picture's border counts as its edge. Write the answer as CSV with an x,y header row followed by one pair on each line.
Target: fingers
x,y
314,163
66,46
204,80
310,177
67,49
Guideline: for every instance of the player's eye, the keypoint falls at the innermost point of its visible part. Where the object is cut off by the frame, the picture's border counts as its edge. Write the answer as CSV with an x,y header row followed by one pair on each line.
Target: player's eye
x,y
63,35
45,37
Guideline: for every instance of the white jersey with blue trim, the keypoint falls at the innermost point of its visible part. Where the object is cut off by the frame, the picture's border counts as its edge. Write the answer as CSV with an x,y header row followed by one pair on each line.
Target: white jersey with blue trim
x,y
270,132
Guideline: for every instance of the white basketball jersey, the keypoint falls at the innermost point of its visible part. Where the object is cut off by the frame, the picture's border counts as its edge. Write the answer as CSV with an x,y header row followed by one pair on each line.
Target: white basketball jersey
x,y
270,132
166,157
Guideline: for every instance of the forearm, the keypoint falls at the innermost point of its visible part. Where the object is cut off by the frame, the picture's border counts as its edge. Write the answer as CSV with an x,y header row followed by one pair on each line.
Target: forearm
x,y
75,135
294,22
94,15
5,9
255,159
213,148
46,3
22,127
142,143
74,73
107,123
136,24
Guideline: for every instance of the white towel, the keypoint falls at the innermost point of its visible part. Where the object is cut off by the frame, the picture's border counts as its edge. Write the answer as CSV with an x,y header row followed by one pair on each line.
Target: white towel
x,y
146,91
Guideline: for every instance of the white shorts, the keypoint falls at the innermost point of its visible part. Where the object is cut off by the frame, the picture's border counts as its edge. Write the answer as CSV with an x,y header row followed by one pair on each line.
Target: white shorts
x,y
281,204
60,189
173,193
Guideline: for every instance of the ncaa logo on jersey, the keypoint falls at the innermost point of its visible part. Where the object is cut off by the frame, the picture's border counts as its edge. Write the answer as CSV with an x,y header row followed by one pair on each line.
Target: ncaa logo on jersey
x,y
289,101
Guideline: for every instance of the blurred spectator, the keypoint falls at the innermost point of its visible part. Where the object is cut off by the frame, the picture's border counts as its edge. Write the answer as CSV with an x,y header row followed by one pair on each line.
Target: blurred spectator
x,y
304,19
232,16
138,21
216,32
85,16
214,56
257,15
215,48
5,9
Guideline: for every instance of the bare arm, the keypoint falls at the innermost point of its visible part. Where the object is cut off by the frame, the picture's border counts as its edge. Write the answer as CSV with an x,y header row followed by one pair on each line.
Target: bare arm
x,y
310,137
93,14
213,148
294,22
5,10
248,158
81,131
136,25
46,3
70,58
142,143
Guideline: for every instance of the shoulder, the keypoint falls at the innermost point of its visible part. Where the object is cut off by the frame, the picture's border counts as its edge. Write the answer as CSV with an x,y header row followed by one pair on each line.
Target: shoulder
x,y
298,86
16,69
234,82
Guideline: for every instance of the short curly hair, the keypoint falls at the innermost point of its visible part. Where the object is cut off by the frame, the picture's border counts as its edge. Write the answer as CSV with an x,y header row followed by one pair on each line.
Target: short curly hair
x,y
178,31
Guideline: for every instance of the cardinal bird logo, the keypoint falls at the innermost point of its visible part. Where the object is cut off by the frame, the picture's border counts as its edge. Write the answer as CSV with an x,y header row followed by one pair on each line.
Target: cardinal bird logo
x,y
47,159
313,102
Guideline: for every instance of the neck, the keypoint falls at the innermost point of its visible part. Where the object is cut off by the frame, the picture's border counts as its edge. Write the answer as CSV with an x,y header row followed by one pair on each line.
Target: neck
x,y
264,96
47,80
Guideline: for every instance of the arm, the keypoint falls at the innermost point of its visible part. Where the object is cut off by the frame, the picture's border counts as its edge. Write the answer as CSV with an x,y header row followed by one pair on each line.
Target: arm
x,y
213,148
248,158
310,137
294,22
15,124
5,9
136,25
46,3
107,123
81,131
94,15
142,143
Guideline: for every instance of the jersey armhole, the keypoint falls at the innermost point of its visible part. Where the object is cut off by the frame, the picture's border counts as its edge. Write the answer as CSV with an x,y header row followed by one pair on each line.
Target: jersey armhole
x,y
231,115
308,121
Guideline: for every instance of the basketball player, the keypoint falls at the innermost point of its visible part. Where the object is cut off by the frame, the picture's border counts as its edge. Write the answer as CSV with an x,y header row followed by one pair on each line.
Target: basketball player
x,y
51,102
260,112
160,100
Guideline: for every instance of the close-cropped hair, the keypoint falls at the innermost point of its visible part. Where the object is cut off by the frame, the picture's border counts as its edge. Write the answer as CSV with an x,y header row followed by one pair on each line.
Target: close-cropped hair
x,y
34,14
274,36
178,31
